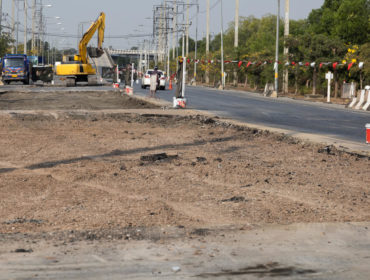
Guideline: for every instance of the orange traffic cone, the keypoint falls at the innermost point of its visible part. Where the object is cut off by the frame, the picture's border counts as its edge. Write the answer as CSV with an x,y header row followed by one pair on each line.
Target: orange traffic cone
x,y
170,87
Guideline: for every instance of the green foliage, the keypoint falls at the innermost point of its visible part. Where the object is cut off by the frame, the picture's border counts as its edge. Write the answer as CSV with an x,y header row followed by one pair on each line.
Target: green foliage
x,y
344,19
352,21
5,42
327,35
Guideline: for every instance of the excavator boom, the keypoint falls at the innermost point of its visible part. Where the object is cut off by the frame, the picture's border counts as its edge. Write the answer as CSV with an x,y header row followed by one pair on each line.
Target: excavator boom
x,y
99,25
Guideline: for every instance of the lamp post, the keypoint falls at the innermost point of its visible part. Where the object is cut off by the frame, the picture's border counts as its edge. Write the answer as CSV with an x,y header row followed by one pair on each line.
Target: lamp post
x,y
42,30
222,49
196,46
80,31
276,89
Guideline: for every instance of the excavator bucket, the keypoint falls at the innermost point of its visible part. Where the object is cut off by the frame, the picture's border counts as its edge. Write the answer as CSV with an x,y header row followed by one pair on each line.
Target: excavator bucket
x,y
95,52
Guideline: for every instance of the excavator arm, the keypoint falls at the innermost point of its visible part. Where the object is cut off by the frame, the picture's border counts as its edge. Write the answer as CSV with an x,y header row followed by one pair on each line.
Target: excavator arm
x,y
99,25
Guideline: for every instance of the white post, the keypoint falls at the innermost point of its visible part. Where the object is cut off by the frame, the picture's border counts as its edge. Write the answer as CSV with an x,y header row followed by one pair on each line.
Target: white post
x,y
183,77
329,77
117,74
132,75
222,50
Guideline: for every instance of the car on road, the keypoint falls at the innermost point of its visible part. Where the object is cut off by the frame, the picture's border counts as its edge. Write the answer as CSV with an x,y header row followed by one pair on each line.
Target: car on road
x,y
145,81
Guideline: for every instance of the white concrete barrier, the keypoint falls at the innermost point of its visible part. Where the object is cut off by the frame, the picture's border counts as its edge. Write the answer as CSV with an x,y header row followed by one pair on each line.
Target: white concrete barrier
x,y
367,104
362,99
353,102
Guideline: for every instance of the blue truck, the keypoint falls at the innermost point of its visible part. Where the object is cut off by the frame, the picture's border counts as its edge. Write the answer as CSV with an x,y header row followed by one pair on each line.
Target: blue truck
x,y
15,67
23,68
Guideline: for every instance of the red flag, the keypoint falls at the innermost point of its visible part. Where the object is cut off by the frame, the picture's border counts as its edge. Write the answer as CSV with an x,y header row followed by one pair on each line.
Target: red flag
x,y
188,60
320,65
307,64
350,65
293,63
240,64
249,63
335,64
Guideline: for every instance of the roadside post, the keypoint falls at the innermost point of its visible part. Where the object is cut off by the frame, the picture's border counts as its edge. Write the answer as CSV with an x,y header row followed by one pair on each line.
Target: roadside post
x,y
329,76
367,133
180,102
132,75
183,78
116,84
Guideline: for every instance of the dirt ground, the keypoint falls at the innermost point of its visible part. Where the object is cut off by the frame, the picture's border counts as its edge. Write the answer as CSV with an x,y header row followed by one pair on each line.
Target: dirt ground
x,y
49,99
94,183
105,172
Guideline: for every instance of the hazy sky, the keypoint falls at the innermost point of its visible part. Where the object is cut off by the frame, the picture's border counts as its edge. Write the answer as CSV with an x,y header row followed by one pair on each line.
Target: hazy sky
x,y
125,17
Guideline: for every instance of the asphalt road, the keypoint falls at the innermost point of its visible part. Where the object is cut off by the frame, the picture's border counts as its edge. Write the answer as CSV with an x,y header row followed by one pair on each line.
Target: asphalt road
x,y
329,120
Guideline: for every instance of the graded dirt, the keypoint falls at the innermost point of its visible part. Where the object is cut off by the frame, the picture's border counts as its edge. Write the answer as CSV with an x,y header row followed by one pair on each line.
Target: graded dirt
x,y
95,184
109,171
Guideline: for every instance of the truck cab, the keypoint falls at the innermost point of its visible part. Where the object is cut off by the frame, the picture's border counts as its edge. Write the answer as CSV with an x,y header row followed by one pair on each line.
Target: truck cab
x,y
15,67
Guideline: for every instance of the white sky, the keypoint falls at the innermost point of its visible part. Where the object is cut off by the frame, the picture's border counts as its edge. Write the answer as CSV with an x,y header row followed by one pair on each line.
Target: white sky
x,y
132,16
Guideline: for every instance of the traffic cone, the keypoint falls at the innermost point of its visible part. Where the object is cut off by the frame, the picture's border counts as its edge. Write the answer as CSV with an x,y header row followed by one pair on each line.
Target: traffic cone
x,y
170,87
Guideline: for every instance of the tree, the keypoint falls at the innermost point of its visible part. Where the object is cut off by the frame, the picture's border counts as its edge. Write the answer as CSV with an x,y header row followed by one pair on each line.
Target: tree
x,y
352,21
5,41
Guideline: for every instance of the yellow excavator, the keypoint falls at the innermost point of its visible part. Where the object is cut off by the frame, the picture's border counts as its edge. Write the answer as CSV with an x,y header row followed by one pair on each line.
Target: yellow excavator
x,y
77,68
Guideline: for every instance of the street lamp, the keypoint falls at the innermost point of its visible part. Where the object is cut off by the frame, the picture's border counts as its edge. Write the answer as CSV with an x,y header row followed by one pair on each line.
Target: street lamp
x,y
81,28
275,93
222,49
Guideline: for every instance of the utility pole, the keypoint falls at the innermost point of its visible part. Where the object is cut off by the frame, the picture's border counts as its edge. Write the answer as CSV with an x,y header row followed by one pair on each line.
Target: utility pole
x,y
174,43
187,28
33,25
16,44
1,14
40,36
222,48
236,39
25,27
207,43
13,24
286,49
196,46
276,89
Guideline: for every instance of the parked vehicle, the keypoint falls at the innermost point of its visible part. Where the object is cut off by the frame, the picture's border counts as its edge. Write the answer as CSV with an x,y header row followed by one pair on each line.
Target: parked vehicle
x,y
23,68
15,67
145,81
